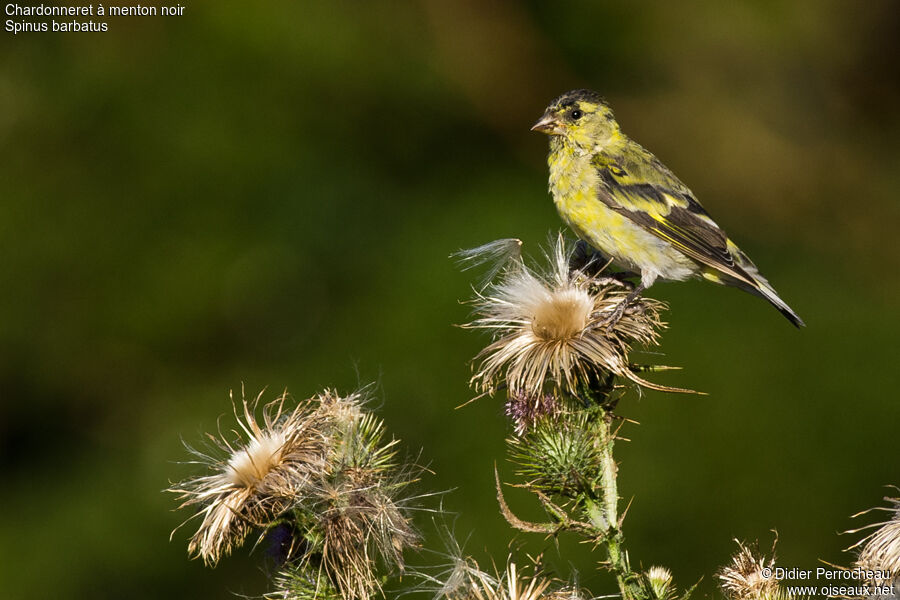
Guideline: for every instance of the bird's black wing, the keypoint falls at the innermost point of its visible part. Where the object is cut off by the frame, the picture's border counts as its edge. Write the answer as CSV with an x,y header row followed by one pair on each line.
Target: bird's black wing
x,y
668,210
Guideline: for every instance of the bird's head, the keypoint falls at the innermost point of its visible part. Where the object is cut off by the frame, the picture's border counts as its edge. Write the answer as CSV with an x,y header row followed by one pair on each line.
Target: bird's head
x,y
582,117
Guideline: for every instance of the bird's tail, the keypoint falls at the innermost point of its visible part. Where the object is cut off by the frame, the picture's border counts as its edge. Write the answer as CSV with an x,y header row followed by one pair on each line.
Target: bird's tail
x,y
764,290
751,281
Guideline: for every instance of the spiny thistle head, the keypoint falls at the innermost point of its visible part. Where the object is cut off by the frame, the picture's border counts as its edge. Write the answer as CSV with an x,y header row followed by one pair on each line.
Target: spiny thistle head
x,y
303,584
879,552
659,579
560,457
554,327
746,577
255,473
323,480
354,512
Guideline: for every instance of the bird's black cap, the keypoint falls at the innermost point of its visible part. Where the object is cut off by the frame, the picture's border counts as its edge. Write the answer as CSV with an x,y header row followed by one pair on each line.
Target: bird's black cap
x,y
570,98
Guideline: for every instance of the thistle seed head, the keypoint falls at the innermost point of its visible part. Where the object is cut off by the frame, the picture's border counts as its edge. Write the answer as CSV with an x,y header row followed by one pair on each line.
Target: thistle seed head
x,y
744,578
879,552
254,473
510,586
463,579
355,508
321,481
553,327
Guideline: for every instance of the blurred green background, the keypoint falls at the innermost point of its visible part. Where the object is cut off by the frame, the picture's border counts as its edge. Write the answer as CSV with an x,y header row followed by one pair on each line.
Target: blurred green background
x,y
268,194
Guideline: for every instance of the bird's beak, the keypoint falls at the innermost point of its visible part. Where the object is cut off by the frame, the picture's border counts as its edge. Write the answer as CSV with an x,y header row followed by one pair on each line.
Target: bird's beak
x,y
548,124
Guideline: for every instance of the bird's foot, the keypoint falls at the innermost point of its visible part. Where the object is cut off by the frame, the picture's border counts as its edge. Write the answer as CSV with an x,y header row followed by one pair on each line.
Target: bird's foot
x,y
593,264
610,322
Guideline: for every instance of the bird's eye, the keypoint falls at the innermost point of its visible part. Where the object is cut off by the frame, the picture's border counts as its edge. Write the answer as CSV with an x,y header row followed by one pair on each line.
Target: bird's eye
x,y
576,114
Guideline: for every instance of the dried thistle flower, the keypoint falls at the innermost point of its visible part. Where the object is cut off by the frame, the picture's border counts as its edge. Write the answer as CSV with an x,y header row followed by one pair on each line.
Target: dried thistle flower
x,y
360,526
456,581
511,587
467,581
879,552
555,326
452,575
256,473
353,509
461,578
321,480
745,578
565,593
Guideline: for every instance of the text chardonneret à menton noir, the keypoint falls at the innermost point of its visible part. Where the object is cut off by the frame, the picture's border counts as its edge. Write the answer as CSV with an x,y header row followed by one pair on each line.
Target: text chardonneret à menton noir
x,y
45,10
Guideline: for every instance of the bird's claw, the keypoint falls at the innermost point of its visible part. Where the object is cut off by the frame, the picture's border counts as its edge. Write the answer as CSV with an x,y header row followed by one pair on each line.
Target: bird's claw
x,y
609,323
621,309
593,262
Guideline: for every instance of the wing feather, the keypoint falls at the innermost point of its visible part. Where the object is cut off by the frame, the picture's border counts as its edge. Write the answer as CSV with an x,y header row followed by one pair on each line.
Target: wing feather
x,y
669,210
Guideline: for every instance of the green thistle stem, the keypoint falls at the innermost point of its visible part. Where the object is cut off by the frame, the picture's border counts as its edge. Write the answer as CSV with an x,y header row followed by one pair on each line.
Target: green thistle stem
x,y
604,517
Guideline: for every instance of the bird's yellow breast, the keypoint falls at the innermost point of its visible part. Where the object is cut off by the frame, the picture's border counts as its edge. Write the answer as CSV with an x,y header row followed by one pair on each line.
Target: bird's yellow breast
x,y
575,185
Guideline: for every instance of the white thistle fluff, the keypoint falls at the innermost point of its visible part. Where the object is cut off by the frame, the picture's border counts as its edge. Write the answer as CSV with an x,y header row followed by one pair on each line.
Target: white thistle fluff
x,y
553,327
880,550
745,578
252,476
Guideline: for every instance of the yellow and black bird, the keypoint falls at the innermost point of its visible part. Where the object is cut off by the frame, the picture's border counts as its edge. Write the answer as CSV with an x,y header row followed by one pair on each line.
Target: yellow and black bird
x,y
627,205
